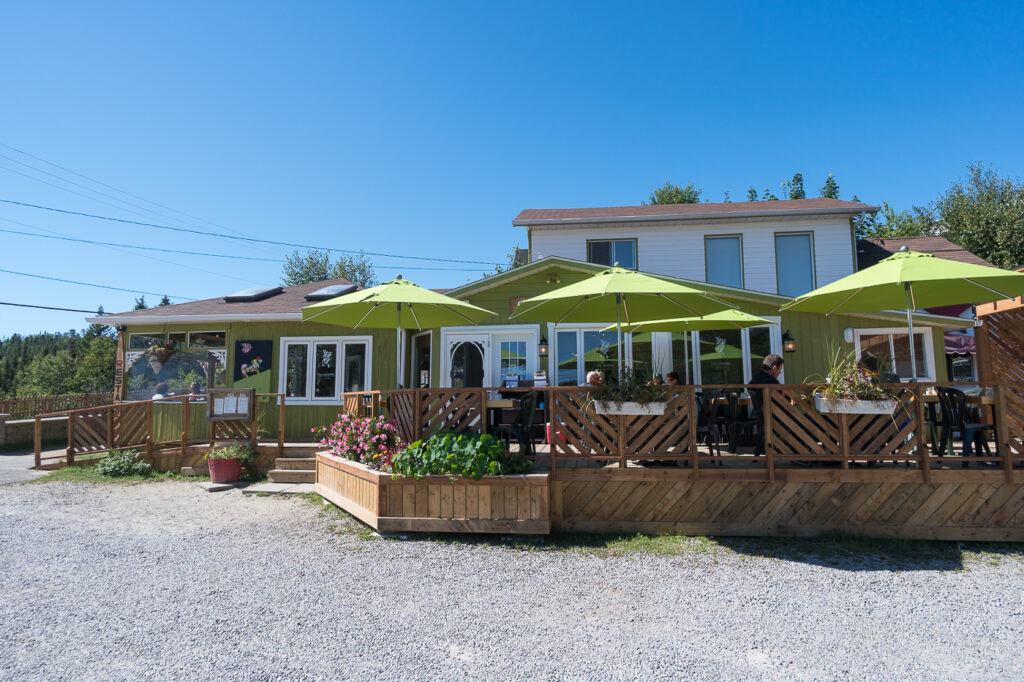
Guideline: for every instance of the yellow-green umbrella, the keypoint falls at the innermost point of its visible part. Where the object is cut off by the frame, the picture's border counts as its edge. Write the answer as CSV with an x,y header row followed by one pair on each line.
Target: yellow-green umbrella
x,y
398,303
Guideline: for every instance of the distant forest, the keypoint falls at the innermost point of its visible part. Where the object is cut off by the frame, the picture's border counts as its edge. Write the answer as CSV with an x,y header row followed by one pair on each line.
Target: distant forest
x,y
58,363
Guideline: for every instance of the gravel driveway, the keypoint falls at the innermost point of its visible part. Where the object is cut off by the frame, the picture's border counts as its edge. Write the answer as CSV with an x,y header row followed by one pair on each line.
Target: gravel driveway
x,y
164,581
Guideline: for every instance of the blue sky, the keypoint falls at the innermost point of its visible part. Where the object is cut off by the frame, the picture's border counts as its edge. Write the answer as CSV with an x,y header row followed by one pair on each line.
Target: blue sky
x,y
423,128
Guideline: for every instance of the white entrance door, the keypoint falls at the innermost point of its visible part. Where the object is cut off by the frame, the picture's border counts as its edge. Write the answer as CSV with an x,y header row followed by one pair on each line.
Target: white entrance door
x,y
468,361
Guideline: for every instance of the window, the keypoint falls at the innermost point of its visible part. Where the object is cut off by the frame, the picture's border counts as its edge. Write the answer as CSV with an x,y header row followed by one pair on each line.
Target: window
x,y
566,356
144,341
179,338
206,339
723,261
320,369
721,356
513,360
599,351
621,251
893,352
727,356
794,263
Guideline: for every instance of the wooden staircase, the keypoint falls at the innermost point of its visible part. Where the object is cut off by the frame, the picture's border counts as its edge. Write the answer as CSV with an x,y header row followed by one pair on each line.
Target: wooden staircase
x,y
293,470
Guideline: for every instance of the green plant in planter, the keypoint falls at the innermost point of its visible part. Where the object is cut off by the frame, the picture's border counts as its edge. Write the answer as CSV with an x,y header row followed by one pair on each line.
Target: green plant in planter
x,y
631,386
466,455
846,380
243,453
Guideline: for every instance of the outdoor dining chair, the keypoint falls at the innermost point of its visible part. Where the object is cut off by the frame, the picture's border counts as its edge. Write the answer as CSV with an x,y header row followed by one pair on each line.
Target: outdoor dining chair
x,y
973,435
522,427
707,421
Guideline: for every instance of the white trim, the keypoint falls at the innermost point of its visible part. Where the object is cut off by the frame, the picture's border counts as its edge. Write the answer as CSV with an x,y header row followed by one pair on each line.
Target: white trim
x,y
556,222
775,339
488,336
928,345
111,320
414,380
311,341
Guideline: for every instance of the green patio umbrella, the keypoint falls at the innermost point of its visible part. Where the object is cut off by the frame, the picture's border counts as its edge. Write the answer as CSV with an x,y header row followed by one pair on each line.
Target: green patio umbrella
x,y
727,319
399,304
619,293
911,280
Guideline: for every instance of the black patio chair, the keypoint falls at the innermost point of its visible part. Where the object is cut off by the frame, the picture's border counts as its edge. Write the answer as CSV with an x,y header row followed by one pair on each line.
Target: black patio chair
x,y
973,435
707,426
522,427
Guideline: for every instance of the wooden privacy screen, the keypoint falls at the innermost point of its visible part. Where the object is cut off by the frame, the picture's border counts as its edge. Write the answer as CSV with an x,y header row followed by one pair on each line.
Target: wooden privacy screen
x,y
1000,343
421,412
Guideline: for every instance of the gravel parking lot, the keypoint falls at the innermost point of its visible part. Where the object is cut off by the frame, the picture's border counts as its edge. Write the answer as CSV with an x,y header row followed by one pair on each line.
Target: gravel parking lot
x,y
165,581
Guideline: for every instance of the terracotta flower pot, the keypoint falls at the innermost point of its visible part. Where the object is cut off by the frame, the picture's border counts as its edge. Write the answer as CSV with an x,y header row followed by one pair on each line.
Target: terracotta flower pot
x,y
224,470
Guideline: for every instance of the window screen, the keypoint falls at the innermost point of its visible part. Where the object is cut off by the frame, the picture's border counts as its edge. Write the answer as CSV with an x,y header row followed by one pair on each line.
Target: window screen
x,y
723,261
794,264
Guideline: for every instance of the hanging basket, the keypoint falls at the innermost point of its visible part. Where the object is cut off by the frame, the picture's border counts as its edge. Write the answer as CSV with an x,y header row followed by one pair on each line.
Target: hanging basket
x,y
826,406
630,408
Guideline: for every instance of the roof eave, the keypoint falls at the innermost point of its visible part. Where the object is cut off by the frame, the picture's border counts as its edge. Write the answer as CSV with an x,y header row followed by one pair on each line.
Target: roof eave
x,y
112,320
554,222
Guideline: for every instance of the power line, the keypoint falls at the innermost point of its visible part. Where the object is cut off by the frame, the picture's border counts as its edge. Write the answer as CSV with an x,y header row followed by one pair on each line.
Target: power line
x,y
50,307
192,253
244,239
98,286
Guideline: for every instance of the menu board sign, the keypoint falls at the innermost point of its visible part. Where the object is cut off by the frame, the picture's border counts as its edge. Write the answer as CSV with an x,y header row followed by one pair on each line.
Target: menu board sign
x,y
230,404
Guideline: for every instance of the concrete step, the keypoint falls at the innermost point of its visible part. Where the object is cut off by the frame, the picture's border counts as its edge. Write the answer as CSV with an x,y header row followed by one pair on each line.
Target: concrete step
x,y
291,476
296,463
198,470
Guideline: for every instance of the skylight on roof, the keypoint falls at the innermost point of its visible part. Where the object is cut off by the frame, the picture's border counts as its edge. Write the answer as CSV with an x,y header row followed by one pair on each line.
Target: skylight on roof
x,y
252,294
333,291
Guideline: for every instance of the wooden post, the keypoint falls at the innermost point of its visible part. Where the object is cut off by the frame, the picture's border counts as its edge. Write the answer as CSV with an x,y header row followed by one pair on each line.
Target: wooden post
x,y
620,436
922,440
1002,438
483,411
417,428
111,445
70,452
150,426
694,451
280,426
185,416
549,405
844,439
39,441
769,441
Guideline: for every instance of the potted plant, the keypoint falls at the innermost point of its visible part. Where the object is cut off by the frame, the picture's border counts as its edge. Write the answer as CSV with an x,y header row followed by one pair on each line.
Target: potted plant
x,y
630,394
851,389
159,353
226,462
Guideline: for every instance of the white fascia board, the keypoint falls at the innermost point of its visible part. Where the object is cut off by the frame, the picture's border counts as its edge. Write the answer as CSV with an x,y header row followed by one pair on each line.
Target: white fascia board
x,y
111,320
557,222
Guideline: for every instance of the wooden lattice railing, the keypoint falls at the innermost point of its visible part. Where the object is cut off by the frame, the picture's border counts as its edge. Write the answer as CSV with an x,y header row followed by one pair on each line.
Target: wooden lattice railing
x,y
97,430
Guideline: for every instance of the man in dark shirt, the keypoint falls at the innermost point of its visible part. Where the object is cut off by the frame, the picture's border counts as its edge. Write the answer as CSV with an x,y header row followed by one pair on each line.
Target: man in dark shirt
x,y
771,368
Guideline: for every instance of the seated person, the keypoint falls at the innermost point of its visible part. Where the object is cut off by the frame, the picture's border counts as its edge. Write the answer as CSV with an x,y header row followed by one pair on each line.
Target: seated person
x,y
161,390
594,378
771,368
672,379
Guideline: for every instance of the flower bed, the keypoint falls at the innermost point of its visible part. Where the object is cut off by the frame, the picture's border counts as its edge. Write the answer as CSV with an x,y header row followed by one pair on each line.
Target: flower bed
x,y
494,504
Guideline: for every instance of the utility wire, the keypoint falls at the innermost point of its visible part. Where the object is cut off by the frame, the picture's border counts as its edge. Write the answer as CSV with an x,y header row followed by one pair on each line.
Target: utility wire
x,y
98,286
50,307
244,239
190,253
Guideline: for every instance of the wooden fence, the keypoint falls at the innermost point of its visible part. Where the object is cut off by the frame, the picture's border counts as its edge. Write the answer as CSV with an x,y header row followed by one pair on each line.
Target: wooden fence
x,y
177,422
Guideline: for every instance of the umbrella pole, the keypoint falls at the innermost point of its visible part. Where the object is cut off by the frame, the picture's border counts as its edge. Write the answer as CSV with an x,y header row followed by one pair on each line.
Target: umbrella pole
x,y
398,348
686,354
618,325
910,333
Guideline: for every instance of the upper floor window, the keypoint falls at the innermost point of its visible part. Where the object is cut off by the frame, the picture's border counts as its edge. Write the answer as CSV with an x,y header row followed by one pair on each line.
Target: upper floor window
x,y
612,251
794,263
723,261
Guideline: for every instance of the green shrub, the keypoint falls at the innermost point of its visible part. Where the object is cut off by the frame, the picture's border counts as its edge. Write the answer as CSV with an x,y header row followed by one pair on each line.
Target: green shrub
x,y
468,455
121,463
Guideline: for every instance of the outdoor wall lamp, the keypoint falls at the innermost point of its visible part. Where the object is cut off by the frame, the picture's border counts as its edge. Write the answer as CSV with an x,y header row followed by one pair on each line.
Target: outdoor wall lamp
x,y
554,279
788,342
542,347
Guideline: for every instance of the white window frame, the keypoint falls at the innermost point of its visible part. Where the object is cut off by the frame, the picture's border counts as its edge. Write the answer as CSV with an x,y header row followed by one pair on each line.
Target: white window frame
x,y
152,335
739,240
612,240
775,336
554,329
814,257
310,342
928,345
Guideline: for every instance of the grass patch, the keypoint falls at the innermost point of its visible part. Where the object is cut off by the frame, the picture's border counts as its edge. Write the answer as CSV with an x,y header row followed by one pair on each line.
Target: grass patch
x,y
339,520
89,474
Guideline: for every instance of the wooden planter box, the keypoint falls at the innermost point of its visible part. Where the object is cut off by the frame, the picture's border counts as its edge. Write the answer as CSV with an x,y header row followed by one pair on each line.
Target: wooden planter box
x,y
854,406
437,504
630,408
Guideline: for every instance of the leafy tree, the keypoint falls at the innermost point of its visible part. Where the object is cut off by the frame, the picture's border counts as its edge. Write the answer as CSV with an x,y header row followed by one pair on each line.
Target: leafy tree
x,y
984,214
49,375
726,199
889,223
768,196
510,265
94,371
674,194
830,190
316,266
140,303
751,194
794,188
163,301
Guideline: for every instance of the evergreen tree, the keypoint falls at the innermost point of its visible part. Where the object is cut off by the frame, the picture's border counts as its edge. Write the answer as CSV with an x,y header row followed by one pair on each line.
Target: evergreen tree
x,y
751,194
164,301
830,190
794,188
140,303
